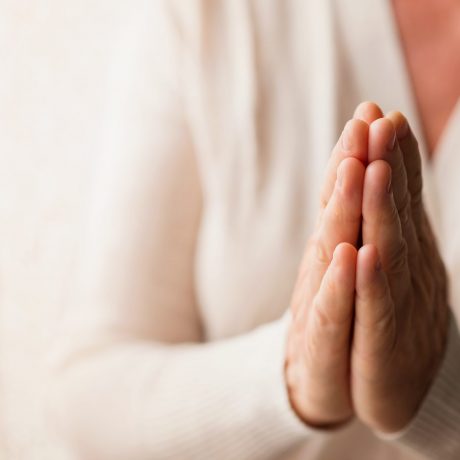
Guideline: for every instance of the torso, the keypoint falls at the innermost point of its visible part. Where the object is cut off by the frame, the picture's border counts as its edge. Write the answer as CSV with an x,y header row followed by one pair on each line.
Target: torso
x,y
268,105
430,35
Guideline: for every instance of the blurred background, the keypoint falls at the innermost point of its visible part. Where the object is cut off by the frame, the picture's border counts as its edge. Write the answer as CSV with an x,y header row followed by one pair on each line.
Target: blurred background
x,y
49,150
48,50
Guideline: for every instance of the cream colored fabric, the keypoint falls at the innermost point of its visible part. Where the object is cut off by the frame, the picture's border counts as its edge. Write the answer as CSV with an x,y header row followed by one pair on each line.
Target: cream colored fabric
x,y
162,162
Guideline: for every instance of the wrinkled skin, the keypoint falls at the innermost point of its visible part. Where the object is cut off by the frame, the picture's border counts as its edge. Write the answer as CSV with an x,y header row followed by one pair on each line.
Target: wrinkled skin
x,y
369,308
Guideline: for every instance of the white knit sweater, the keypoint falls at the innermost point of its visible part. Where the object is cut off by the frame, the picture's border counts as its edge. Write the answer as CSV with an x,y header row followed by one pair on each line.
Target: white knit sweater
x,y
198,132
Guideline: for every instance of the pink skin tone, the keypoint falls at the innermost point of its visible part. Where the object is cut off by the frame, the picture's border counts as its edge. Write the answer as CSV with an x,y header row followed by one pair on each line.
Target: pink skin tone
x,y
370,321
430,37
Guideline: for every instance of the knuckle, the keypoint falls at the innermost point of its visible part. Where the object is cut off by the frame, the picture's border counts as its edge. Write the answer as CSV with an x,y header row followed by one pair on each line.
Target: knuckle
x,y
322,319
383,319
325,337
392,214
388,217
341,210
380,331
398,257
321,251
416,201
305,261
371,293
323,200
347,213
416,183
331,316
404,208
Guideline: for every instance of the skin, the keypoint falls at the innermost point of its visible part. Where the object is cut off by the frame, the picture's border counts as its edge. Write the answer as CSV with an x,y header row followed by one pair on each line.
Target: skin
x,y
370,307
430,36
369,320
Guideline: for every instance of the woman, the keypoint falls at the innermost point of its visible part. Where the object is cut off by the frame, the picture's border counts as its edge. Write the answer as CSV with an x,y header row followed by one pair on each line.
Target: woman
x,y
215,175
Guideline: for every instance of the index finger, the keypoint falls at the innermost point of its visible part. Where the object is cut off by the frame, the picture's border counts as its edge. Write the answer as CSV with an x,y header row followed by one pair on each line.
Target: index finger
x,y
353,143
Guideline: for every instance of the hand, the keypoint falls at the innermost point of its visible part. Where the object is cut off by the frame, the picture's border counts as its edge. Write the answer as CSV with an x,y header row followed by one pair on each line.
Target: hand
x,y
401,307
318,348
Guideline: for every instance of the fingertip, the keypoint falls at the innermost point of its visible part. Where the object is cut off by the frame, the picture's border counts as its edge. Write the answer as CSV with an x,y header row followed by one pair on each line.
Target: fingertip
x,y
368,268
382,138
400,123
345,252
378,176
354,140
345,255
344,261
368,112
350,175
383,126
368,258
357,126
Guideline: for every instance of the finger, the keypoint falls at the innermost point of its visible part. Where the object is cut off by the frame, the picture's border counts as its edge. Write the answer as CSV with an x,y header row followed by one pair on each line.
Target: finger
x,y
381,224
329,330
377,372
333,305
383,145
352,144
368,112
375,318
412,162
340,221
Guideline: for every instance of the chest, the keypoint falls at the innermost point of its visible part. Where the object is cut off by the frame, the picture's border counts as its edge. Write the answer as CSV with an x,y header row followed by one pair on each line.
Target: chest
x,y
430,36
266,115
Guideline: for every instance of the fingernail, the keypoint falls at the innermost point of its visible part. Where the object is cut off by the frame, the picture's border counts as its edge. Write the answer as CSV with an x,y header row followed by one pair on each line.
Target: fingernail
x,y
389,185
378,265
392,142
347,138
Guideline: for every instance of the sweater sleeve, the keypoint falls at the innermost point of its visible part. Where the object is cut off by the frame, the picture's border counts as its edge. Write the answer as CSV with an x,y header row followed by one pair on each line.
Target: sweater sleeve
x,y
435,430
130,375
143,400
